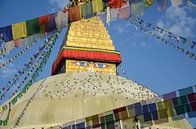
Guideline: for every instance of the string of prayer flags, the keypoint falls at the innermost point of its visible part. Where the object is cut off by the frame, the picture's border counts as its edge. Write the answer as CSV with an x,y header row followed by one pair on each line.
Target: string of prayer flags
x,y
6,88
38,67
147,28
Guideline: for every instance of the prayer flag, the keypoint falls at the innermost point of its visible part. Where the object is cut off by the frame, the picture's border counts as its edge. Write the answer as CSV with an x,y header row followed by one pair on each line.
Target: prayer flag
x,y
154,115
131,110
152,107
137,9
120,113
87,10
192,97
193,106
148,3
147,117
6,33
169,95
145,109
97,6
74,14
116,3
162,4
51,24
162,114
19,30
186,91
61,19
180,100
138,109
124,11
181,109
114,13
160,105
168,104
80,125
33,26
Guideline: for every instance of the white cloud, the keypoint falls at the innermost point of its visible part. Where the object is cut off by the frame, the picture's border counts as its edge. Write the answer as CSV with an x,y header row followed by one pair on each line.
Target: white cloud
x,y
57,5
122,28
178,21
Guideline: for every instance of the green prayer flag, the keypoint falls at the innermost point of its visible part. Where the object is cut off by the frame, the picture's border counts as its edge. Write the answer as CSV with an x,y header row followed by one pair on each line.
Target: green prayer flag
x,y
87,10
32,26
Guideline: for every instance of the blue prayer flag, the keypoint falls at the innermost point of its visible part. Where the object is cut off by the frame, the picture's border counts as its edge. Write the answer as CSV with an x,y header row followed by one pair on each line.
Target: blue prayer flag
x,y
154,115
147,117
152,107
6,33
138,109
145,108
80,125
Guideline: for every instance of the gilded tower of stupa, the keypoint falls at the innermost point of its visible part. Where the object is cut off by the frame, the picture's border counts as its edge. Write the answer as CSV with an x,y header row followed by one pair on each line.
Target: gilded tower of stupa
x,y
84,83
87,47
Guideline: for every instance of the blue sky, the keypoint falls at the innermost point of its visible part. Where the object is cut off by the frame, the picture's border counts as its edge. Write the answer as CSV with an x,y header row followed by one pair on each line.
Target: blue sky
x,y
145,59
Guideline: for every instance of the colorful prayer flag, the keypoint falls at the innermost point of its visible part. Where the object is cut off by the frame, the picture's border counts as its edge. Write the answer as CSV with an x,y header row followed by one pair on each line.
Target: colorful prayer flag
x,y
19,30
61,19
74,14
87,10
186,91
148,3
97,6
137,9
6,33
169,95
120,113
32,26
192,97
138,109
162,4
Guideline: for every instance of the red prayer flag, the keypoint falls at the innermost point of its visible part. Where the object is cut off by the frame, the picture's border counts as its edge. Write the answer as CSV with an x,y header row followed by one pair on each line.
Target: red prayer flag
x,y
116,3
192,97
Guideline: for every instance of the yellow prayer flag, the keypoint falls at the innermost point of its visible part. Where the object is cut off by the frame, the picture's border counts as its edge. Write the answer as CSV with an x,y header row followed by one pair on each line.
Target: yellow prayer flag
x,y
19,30
148,3
97,6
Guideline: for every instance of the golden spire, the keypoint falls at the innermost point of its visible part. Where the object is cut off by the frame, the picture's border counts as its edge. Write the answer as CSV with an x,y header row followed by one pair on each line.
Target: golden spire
x,y
87,47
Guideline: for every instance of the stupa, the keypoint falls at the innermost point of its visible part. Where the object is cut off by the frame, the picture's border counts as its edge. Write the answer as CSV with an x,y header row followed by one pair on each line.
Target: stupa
x,y
84,83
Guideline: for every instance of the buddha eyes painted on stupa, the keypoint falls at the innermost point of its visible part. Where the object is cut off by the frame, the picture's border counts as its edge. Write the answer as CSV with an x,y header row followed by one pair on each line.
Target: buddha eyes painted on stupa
x,y
97,65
